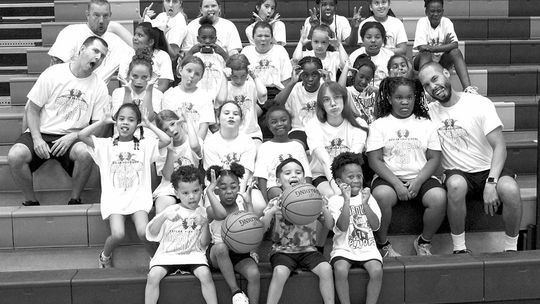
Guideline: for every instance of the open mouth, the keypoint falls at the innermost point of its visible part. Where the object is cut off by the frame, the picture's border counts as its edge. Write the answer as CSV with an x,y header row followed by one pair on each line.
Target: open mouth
x,y
124,129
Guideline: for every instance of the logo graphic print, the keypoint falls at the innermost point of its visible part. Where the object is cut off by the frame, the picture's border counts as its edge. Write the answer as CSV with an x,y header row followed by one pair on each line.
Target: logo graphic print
x,y
126,171
403,145
307,111
189,110
71,105
336,147
360,235
365,104
453,136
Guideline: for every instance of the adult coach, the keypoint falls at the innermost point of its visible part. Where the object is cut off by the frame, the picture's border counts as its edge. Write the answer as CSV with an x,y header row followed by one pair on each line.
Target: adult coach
x,y
474,153
70,39
64,99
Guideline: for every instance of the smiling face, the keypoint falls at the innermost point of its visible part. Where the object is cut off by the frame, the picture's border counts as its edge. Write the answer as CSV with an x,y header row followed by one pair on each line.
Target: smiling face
x,y
352,175
279,123
291,175
311,77
363,77
434,12
172,7
211,9
373,41
380,8
266,10
402,101
332,103
189,194
320,42
190,75
98,17
126,123
399,67
207,36
436,82
263,39
139,76
227,189
230,116
141,40
92,56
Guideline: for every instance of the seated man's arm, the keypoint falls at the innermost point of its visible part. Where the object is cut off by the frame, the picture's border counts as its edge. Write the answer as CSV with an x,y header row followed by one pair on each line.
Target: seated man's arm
x,y
33,112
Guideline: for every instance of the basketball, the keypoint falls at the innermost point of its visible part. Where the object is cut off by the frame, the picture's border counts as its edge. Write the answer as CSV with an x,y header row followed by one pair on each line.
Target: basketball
x,y
242,231
301,204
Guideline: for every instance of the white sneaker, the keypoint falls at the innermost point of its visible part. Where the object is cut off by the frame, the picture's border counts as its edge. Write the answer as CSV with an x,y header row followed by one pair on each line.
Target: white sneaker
x,y
471,89
422,249
240,298
388,251
104,262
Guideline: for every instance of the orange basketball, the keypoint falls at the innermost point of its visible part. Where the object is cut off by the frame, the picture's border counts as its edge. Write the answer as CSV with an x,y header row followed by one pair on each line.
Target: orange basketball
x,y
242,231
301,204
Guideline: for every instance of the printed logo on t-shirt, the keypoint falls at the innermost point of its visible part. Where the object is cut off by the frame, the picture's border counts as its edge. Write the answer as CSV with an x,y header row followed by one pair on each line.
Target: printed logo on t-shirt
x,y
183,238
189,110
452,136
71,105
230,158
307,111
126,171
360,235
211,77
336,147
292,236
182,161
403,146
265,70
244,103
365,106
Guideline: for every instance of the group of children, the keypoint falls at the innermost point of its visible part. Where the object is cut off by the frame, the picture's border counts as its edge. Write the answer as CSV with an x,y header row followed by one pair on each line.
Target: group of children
x,y
314,113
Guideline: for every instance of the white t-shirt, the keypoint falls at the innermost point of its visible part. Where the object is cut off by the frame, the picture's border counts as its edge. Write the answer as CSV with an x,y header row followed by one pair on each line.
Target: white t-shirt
x,y
183,156
340,26
462,130
125,174
68,103
363,104
197,105
404,143
334,140
226,32
273,67
426,35
395,31
161,67
358,242
278,30
213,70
180,241
175,28
271,154
246,97
380,60
331,62
219,151
70,39
301,104
215,225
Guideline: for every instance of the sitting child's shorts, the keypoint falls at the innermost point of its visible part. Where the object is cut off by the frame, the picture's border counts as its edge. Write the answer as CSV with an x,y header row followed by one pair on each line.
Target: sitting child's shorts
x,y
235,257
182,269
303,260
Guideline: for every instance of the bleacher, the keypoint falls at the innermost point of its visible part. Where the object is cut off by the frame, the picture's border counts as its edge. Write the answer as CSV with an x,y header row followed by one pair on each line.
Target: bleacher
x,y
48,254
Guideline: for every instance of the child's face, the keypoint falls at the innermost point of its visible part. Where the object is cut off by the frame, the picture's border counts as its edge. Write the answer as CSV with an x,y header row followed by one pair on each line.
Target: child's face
x,y
291,175
328,9
227,189
380,8
238,77
320,42
189,194
333,103
279,123
230,116
373,41
434,12
399,67
263,39
139,76
352,175
402,101
126,123
172,129
207,36
172,7
311,77
141,40
210,8
267,9
363,77
191,74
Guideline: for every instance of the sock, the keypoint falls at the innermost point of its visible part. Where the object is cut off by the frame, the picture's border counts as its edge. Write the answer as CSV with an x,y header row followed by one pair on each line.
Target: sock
x,y
421,240
459,241
510,242
103,257
380,246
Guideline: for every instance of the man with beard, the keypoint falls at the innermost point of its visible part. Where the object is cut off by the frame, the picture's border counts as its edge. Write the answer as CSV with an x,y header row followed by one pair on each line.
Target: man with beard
x,y
474,153
64,99
70,39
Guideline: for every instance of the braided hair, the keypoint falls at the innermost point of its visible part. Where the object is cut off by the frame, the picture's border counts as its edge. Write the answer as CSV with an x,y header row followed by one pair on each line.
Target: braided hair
x,y
388,87
137,111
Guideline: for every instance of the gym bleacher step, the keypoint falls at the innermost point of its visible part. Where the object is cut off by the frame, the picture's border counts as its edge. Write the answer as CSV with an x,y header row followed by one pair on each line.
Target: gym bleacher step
x,y
44,287
27,9
21,31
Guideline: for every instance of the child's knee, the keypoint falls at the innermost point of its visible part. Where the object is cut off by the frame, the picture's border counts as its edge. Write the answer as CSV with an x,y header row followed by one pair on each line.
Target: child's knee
x,y
253,274
204,275
323,270
154,276
118,234
376,272
341,270
220,250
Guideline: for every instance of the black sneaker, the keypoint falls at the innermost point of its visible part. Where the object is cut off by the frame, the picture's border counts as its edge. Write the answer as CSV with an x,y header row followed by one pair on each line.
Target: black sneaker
x,y
30,203
462,251
74,201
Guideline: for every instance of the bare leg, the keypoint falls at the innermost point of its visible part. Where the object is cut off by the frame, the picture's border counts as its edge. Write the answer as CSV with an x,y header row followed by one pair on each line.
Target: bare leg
x,y
219,254
435,202
386,198
341,274
208,288
118,233
279,277
249,270
19,157
456,209
456,57
140,219
326,281
82,169
508,191
374,268
151,292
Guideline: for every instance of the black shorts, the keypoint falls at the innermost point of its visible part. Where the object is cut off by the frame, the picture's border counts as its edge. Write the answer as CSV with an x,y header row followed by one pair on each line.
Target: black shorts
x,y
36,162
476,181
304,260
301,137
426,186
184,268
235,257
319,180
354,264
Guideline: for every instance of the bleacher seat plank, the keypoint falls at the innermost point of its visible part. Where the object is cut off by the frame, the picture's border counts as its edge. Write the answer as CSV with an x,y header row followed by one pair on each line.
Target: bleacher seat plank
x,y
37,59
44,287
523,8
487,8
6,226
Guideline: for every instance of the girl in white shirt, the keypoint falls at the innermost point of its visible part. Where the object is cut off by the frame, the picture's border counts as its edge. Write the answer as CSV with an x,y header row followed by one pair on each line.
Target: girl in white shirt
x,y
265,10
172,21
124,163
404,151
